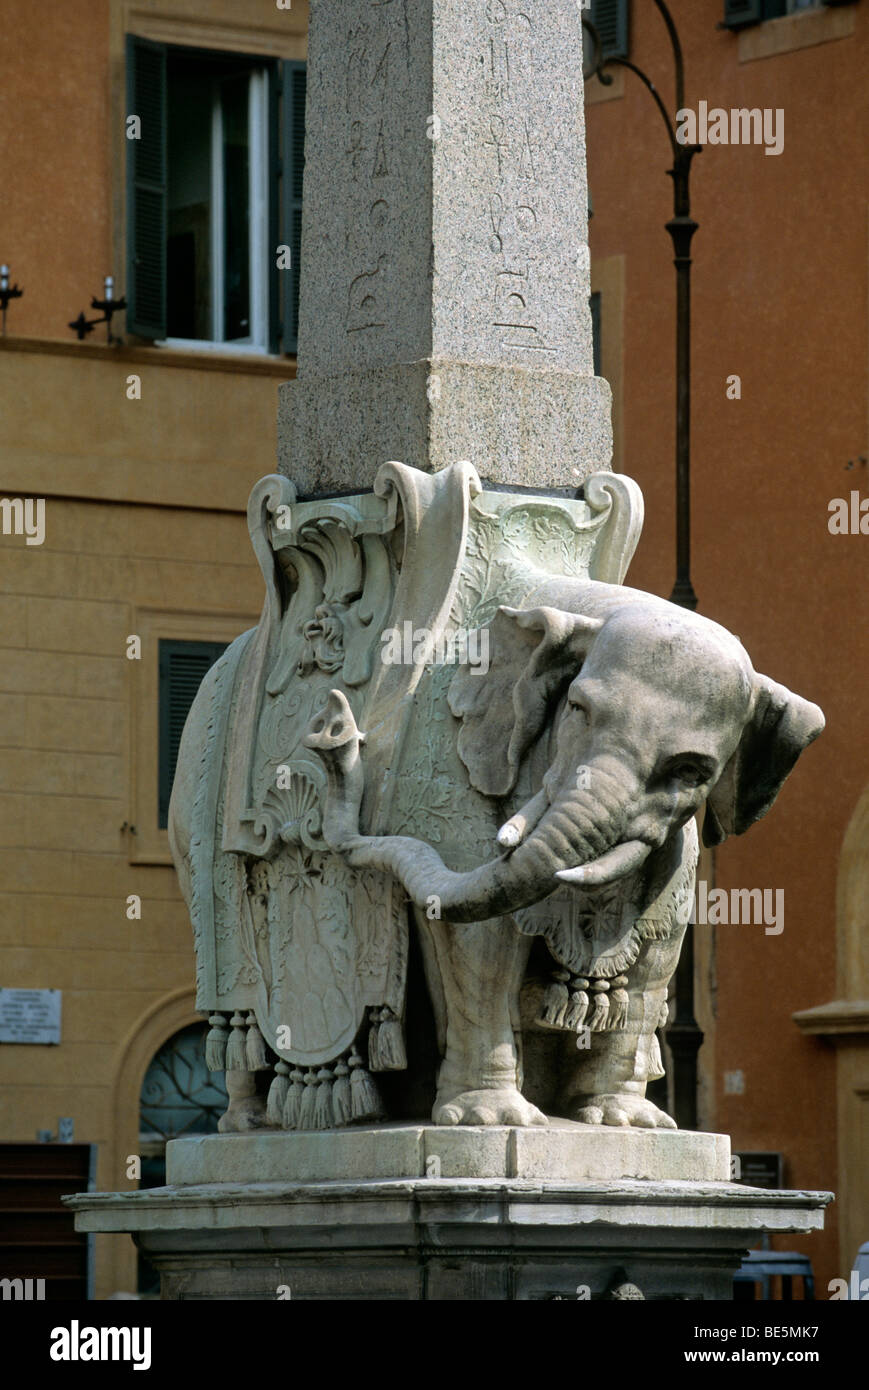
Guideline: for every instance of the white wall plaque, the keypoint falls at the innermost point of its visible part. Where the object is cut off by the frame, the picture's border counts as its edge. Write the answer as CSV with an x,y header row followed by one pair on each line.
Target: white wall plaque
x,y
30,1015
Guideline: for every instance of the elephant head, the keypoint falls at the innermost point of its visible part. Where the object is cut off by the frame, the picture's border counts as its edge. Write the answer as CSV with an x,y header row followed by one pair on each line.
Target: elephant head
x,y
656,710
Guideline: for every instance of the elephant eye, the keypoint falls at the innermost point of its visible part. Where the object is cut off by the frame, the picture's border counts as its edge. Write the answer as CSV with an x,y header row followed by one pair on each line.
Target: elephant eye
x,y
686,770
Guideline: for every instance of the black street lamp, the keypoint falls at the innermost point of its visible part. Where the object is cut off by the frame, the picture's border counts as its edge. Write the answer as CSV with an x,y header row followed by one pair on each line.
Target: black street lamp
x,y
684,1036
681,228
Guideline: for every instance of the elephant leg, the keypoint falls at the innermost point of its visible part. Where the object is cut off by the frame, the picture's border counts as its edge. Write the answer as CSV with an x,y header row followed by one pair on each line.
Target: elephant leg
x,y
607,1084
247,1104
479,968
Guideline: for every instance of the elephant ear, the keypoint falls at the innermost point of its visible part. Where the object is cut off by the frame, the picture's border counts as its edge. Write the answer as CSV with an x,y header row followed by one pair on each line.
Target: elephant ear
x,y
533,653
781,726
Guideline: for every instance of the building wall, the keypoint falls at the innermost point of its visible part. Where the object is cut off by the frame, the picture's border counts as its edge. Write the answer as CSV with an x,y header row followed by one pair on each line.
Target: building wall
x,y
145,534
780,298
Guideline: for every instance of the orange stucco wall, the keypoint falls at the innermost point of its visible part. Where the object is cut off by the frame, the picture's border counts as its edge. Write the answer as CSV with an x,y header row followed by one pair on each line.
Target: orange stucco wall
x,y
780,298
55,228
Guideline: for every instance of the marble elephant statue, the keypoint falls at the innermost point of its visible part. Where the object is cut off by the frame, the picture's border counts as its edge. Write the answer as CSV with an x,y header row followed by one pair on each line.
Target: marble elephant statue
x,y
474,907
643,712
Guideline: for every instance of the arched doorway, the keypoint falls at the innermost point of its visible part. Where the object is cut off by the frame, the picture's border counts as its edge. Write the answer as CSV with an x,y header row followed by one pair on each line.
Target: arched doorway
x,y
845,1024
179,1096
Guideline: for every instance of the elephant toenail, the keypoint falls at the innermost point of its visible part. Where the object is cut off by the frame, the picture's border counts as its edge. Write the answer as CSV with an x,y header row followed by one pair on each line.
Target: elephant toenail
x,y
448,1115
481,1116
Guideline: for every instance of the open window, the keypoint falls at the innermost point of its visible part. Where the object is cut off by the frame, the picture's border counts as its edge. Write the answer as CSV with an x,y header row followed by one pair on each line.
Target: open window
x,y
214,195
738,14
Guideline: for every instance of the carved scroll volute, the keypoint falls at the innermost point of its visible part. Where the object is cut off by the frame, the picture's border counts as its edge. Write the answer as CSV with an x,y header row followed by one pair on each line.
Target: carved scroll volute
x,y
366,619
272,496
289,639
619,535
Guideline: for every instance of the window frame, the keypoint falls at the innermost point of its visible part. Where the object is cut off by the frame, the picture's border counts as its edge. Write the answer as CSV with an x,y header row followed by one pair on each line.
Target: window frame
x,y
262,336
166,648
275,172
758,11
620,18
146,842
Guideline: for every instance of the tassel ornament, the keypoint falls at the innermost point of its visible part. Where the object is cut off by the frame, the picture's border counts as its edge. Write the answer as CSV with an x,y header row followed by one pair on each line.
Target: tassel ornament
x,y
618,1010
293,1103
309,1102
215,1043
342,1104
556,1000
578,1007
323,1108
236,1050
390,1043
255,1047
654,1064
278,1092
600,1007
365,1099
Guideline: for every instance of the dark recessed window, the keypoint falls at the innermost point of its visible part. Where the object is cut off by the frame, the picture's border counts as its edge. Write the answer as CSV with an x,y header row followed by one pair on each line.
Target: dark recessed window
x,y
183,667
738,14
611,18
214,189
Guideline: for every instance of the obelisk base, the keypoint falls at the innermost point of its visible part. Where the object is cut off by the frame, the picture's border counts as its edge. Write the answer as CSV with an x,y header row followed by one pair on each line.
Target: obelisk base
x,y
518,427
528,1232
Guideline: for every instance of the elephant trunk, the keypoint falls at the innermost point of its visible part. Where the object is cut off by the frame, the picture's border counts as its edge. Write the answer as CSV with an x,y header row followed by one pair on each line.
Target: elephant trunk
x,y
578,828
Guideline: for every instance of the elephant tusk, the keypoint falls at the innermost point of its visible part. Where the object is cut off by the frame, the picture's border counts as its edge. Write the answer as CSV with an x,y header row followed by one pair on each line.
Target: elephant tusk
x,y
515,830
617,863
509,835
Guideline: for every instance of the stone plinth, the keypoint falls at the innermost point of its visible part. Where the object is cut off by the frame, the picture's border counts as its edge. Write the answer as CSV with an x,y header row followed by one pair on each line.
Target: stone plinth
x,y
561,1152
514,1215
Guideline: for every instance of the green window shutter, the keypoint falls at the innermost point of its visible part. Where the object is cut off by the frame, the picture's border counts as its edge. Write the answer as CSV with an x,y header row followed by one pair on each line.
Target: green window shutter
x,y
183,667
611,19
146,189
738,13
594,305
294,81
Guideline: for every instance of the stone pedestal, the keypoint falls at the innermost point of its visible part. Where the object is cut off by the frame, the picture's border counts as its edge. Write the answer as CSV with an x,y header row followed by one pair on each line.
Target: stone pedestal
x,y
415,1212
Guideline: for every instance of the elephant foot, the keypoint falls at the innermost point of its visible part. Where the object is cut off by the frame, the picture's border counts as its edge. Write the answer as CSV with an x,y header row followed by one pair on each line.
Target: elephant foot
x,y
240,1119
623,1110
247,1107
488,1107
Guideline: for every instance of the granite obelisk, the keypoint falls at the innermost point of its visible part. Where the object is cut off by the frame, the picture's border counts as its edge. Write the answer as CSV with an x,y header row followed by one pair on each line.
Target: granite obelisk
x,y
444,302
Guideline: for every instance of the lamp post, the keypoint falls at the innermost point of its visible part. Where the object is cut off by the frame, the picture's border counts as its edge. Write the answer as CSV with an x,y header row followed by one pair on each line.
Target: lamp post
x,y
681,228
684,1037
108,306
7,293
